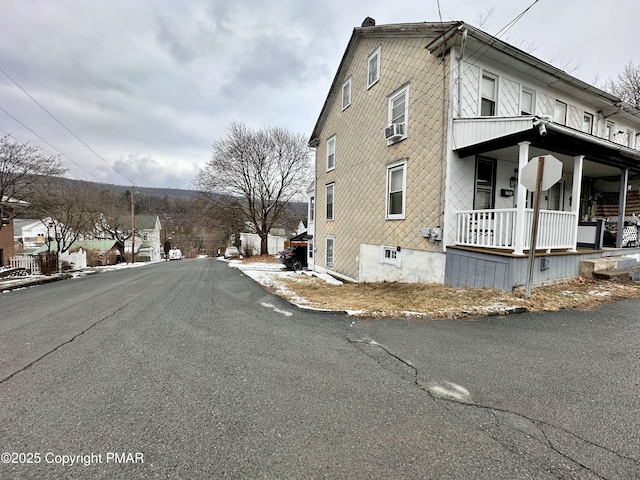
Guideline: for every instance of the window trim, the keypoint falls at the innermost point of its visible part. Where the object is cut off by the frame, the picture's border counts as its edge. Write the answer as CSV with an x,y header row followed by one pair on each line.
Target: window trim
x,y
376,53
346,84
333,202
532,92
331,150
394,258
496,80
564,120
402,91
591,116
332,239
390,168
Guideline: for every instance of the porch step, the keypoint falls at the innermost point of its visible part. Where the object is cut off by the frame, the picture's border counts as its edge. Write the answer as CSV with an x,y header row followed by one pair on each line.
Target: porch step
x,y
622,275
590,267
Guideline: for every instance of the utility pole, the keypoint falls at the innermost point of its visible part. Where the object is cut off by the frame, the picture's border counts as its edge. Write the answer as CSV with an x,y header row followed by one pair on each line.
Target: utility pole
x,y
133,227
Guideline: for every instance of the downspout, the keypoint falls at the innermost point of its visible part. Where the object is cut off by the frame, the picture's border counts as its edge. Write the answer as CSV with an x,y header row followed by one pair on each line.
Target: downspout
x,y
460,70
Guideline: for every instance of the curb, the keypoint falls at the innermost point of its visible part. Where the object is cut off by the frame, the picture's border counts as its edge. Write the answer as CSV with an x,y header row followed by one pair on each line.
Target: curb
x,y
33,282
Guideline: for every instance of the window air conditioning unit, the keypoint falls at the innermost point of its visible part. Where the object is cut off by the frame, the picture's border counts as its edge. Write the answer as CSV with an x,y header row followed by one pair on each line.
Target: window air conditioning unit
x,y
394,132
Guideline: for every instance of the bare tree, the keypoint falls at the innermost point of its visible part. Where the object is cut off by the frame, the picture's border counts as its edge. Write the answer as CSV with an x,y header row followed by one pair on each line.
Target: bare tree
x,y
627,86
68,212
263,171
114,221
22,166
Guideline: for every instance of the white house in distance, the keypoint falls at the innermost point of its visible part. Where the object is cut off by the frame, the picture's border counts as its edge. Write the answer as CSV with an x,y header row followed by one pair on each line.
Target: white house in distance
x,y
420,149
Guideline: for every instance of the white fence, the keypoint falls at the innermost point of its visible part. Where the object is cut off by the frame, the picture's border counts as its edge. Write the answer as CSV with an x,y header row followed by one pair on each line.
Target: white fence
x,y
28,262
496,229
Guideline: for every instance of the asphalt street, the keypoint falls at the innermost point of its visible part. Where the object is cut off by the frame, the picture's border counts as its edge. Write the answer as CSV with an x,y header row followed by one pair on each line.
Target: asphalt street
x,y
189,369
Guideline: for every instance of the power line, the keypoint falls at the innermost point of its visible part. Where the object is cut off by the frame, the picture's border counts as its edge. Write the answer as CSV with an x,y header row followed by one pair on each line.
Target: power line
x,y
64,126
54,148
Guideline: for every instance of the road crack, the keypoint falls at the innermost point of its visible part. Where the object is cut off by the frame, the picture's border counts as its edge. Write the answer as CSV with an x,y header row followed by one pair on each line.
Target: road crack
x,y
547,434
44,355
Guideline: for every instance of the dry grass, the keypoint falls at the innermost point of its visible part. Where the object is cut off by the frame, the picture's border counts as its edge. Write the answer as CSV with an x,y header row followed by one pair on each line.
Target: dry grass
x,y
435,301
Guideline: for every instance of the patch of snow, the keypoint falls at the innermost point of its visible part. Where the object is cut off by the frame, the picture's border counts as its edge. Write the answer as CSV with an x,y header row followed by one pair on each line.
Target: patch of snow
x,y
597,293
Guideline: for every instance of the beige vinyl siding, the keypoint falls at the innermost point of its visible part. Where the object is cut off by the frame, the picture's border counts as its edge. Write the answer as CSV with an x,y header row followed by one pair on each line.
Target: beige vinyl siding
x,y
360,175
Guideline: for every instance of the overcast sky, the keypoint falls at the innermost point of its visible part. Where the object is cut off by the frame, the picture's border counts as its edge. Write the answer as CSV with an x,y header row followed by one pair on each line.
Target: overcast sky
x,y
148,85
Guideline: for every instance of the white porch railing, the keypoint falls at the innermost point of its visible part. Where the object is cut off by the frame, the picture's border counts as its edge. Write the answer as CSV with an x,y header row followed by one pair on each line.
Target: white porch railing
x,y
496,229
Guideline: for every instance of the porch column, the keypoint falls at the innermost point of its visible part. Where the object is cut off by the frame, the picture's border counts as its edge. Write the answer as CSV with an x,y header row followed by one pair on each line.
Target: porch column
x,y
622,205
575,198
521,200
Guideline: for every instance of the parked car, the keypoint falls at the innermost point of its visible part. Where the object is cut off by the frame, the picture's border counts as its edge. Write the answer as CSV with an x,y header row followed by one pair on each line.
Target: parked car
x,y
175,254
294,258
231,252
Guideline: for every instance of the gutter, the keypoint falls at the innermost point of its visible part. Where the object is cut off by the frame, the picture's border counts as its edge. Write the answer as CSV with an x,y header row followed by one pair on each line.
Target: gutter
x,y
544,123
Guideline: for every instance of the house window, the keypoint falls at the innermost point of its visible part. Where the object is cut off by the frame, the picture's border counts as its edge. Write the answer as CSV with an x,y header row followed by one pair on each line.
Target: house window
x,y
587,123
488,96
329,252
609,129
485,182
396,190
312,209
560,112
390,255
398,112
373,69
346,94
527,101
629,141
331,153
330,190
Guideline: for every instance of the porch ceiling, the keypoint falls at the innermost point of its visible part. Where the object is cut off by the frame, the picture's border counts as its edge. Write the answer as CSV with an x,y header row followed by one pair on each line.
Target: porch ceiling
x,y
602,158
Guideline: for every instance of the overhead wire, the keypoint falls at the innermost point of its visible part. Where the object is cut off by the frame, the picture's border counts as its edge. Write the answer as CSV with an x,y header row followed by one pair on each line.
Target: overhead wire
x,y
63,126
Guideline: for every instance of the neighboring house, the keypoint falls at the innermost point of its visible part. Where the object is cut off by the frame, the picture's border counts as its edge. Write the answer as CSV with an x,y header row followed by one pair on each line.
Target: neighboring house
x,y
311,219
250,242
148,247
7,242
421,145
34,232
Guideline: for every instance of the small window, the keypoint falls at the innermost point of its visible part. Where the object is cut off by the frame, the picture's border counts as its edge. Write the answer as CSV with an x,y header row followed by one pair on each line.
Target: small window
x,y
587,123
609,129
330,190
629,139
399,111
527,101
560,112
329,252
488,96
331,153
396,191
373,68
390,255
346,94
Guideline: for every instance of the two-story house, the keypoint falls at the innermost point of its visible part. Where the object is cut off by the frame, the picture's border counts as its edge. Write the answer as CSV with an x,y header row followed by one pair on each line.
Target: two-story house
x,y
421,145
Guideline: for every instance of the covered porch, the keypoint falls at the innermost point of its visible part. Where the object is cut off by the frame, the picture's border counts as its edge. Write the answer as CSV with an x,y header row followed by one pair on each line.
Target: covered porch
x,y
597,198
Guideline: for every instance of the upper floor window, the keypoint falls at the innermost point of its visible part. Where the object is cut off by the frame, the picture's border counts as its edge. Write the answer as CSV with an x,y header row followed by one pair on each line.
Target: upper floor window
x,y
527,101
560,112
330,191
312,209
346,94
488,95
608,131
587,123
331,153
629,139
396,190
373,68
398,113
